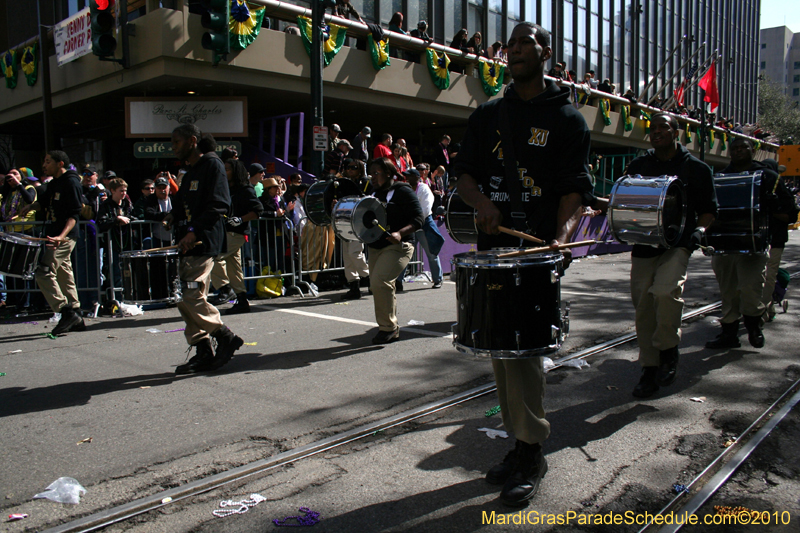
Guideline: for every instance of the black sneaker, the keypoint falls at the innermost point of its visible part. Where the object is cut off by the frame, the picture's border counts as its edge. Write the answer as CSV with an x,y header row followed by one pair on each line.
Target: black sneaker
x,y
668,369
241,305
499,474
69,319
201,362
647,385
224,295
437,285
385,337
227,344
525,478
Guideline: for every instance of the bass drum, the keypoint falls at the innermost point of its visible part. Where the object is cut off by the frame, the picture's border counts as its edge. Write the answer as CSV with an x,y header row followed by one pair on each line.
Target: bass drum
x,y
647,210
741,227
509,308
150,277
319,199
460,220
354,219
19,255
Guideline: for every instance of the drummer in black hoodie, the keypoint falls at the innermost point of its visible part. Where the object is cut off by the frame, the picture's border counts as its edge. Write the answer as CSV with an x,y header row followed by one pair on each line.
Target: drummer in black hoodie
x,y
659,274
551,144
61,203
201,204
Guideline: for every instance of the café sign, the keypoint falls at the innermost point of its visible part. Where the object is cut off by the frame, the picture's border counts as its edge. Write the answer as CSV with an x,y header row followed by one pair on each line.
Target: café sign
x,y
157,117
163,149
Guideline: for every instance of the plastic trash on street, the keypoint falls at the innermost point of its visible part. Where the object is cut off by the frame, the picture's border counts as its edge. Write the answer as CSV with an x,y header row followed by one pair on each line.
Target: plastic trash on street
x,y
63,490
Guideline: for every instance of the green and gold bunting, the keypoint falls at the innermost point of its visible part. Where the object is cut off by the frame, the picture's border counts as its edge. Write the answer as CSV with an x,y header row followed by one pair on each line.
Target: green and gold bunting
x,y
688,133
244,24
437,66
379,52
646,120
710,138
756,146
605,107
492,77
30,63
626,117
723,140
9,65
330,46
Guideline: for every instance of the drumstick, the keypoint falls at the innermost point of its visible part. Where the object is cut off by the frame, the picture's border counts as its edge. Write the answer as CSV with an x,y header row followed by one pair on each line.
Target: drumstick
x,y
165,248
530,251
521,235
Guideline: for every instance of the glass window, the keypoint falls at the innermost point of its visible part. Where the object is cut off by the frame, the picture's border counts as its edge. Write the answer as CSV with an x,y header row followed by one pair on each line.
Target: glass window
x,y
568,20
763,45
581,26
495,30
417,10
389,8
365,8
514,9
795,92
595,37
567,54
547,16
474,19
458,18
494,5
530,11
581,67
797,78
797,65
763,64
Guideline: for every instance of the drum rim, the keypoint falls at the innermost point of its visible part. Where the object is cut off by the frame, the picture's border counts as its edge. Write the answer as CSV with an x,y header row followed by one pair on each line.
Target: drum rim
x,y
455,235
344,233
145,253
507,354
20,238
544,258
668,181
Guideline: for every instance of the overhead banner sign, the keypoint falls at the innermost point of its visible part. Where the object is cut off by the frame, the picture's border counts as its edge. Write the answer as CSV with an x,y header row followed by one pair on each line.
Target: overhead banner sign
x,y
73,37
157,117
163,149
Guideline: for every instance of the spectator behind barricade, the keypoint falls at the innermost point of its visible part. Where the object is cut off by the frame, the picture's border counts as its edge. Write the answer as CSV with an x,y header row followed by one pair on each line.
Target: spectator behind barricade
x,y
421,32
559,70
453,149
441,155
605,86
355,171
109,175
405,153
428,236
274,208
495,52
476,43
299,211
382,149
397,158
227,153
113,218
593,83
459,42
334,161
16,192
256,172
361,144
157,207
630,95
333,137
436,182
148,188
93,193
292,30
396,25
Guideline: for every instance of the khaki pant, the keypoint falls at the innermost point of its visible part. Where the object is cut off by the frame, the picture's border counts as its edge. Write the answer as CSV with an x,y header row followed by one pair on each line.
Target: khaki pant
x,y
385,265
55,278
656,289
773,263
520,389
355,264
201,317
228,266
741,284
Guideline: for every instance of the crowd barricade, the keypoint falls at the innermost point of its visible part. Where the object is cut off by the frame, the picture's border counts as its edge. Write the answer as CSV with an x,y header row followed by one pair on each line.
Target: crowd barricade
x,y
318,251
271,243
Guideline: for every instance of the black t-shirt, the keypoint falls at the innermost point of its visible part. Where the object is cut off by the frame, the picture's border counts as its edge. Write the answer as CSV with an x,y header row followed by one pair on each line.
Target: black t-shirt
x,y
551,142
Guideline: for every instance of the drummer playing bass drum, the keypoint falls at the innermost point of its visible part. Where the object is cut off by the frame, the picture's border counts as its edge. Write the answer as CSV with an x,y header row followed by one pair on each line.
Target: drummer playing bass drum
x,y
534,136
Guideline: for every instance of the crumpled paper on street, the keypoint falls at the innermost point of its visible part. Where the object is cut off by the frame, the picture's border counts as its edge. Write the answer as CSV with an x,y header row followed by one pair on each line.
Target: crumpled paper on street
x,y
130,310
494,433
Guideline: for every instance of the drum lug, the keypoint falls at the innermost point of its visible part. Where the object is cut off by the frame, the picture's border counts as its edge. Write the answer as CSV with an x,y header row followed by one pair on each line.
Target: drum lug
x,y
554,276
473,278
518,279
565,319
519,341
555,332
474,336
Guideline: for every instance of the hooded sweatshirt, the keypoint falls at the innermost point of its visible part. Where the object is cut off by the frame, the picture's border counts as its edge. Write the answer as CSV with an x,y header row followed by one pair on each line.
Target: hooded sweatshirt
x,y
61,201
552,143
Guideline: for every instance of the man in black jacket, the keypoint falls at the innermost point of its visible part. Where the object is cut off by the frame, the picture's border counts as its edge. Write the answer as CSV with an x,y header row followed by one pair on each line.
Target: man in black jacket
x,y
199,207
61,203
659,274
741,277
551,144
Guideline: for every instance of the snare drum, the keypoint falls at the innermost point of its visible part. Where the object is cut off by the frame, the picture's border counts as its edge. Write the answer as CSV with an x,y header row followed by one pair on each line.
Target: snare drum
x,y
741,227
460,220
354,216
509,308
150,277
319,198
19,255
645,210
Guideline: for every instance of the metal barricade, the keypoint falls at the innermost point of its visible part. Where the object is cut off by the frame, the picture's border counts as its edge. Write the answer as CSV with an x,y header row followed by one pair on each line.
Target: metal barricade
x,y
319,250
271,244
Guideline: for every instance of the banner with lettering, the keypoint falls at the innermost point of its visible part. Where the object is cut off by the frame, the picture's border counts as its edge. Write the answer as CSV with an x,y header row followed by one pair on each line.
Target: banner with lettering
x,y
158,116
73,37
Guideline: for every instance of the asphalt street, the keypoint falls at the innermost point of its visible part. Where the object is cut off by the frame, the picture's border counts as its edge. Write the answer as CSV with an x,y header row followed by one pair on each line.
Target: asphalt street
x,y
308,371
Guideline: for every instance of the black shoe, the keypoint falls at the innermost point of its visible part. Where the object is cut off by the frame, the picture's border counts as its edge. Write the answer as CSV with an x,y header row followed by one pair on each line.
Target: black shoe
x,y
526,476
499,474
754,333
241,305
437,285
80,326
224,295
729,338
354,293
227,343
398,287
668,369
201,362
385,337
364,283
647,385
69,319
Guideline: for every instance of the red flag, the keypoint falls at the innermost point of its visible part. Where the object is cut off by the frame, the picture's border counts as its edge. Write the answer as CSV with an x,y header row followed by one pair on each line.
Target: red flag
x,y
679,95
709,85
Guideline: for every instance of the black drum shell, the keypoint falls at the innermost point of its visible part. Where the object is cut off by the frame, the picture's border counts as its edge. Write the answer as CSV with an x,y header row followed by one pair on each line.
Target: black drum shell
x,y
150,277
19,255
492,304
319,198
741,226
460,220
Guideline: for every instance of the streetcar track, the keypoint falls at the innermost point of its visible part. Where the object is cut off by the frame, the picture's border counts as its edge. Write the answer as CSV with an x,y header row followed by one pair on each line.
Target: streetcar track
x,y
129,510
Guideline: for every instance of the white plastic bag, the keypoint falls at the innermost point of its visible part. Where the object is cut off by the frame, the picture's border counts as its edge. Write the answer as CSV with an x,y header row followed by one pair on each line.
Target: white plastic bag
x,y
130,310
63,490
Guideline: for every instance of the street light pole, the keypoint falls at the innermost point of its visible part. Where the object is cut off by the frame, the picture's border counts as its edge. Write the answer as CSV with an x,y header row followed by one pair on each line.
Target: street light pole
x,y
317,16
47,99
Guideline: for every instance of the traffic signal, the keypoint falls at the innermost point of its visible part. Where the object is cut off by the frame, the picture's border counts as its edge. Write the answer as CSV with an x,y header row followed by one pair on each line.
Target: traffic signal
x,y
216,19
103,42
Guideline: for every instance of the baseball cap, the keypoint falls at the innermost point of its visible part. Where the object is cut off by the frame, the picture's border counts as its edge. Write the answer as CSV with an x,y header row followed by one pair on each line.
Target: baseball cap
x,y
411,172
90,169
367,131
109,174
162,181
255,168
335,127
344,141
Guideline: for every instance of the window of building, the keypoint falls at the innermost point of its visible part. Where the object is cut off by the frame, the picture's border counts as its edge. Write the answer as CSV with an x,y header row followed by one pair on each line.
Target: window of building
x,y
389,8
763,64
795,92
763,45
796,78
797,65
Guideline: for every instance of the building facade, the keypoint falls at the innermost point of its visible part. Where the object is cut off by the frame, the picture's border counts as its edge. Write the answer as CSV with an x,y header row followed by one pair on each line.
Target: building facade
x,y
780,59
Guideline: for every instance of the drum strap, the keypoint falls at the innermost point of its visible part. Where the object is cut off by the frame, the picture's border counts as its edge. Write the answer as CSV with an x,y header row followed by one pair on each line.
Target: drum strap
x,y
518,216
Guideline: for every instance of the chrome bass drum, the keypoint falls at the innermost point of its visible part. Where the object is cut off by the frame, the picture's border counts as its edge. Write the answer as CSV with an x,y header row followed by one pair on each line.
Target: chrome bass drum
x,y
460,220
19,255
354,219
319,199
742,226
509,308
648,210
